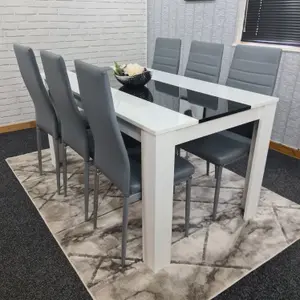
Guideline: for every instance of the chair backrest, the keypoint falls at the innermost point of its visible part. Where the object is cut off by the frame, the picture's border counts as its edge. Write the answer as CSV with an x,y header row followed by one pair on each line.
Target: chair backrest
x,y
111,156
253,69
73,128
204,63
167,55
45,114
205,60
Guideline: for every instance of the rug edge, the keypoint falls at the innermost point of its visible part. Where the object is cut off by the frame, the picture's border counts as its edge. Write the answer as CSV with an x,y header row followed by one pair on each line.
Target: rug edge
x,y
216,294
255,268
55,238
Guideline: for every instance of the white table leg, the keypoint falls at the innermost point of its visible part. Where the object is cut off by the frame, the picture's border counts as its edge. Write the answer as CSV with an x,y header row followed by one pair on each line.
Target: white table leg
x,y
257,160
52,152
157,181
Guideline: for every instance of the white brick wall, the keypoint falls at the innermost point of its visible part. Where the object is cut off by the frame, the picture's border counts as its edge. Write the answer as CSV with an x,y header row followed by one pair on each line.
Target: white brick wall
x,y
97,31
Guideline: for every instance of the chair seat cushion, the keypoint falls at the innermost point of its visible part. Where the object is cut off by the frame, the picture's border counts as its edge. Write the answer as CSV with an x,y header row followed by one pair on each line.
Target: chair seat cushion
x,y
220,148
182,171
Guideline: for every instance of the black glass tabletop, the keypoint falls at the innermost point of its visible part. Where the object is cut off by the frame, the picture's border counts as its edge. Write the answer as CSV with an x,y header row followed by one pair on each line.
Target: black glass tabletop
x,y
197,105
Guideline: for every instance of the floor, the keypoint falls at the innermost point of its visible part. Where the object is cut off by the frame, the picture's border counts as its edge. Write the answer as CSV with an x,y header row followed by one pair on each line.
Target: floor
x,y
35,267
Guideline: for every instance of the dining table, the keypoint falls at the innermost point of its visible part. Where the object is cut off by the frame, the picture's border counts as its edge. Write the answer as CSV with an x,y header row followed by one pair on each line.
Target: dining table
x,y
173,109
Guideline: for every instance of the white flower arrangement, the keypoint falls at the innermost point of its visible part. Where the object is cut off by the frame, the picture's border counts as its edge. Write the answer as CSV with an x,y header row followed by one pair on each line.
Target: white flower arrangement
x,y
128,70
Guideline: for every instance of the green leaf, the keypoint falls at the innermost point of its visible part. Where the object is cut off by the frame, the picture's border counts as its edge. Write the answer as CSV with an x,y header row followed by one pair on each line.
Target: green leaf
x,y
117,69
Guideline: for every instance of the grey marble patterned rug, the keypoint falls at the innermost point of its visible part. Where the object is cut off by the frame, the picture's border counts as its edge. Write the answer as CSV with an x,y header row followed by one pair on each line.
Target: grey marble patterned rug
x,y
213,257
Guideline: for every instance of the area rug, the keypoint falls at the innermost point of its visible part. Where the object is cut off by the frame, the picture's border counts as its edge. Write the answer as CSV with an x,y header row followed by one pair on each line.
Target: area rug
x,y
212,258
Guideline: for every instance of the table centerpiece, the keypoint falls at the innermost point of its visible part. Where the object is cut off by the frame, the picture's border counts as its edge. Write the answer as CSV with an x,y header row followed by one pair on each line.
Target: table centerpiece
x,y
131,75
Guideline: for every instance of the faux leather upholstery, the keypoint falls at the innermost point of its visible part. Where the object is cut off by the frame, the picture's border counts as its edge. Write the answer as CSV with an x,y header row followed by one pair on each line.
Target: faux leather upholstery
x,y
205,60
73,127
167,55
182,171
84,118
219,148
111,156
44,111
254,69
204,63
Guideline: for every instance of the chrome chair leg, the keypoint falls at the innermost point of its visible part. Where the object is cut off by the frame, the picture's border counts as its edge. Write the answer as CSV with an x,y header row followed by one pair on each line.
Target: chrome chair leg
x,y
188,205
86,189
96,187
39,147
217,190
57,164
207,168
124,230
64,159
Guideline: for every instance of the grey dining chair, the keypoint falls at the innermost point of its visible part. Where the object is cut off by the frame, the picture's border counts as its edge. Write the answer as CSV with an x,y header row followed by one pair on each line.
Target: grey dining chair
x,y
46,119
167,55
112,158
204,63
75,131
254,69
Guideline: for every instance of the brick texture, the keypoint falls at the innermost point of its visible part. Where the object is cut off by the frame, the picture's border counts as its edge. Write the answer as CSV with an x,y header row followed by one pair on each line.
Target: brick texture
x,y
97,31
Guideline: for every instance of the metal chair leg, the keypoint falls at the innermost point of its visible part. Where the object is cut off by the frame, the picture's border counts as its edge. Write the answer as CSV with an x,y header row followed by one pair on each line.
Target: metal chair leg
x,y
96,187
217,190
188,205
86,190
64,159
57,164
216,172
207,168
39,147
124,231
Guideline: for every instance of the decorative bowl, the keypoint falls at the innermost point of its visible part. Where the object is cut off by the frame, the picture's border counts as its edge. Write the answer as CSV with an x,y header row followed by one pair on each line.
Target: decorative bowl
x,y
135,80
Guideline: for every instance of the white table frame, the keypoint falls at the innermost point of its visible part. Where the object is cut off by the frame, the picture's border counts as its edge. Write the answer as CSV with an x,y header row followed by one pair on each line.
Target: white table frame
x,y
158,148
157,172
